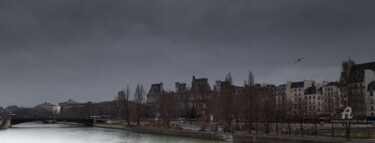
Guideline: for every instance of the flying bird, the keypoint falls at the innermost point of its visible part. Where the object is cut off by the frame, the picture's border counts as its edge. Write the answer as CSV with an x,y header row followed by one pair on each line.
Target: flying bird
x,y
298,60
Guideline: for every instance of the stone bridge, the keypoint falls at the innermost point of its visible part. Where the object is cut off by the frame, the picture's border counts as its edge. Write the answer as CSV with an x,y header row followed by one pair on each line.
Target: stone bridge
x,y
22,119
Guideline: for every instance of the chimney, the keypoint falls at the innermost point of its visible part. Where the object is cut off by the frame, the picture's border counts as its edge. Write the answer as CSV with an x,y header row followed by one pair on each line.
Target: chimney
x,y
218,86
177,87
161,86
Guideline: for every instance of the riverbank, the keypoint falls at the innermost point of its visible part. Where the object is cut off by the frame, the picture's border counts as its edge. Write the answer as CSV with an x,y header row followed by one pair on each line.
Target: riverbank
x,y
169,132
5,124
249,138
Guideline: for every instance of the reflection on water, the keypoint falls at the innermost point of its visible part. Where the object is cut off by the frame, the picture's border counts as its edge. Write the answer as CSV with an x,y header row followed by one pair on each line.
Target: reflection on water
x,y
57,133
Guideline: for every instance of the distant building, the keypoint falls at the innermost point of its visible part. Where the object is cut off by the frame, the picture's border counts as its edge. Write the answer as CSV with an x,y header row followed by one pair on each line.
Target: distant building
x,y
313,101
358,81
200,94
304,96
281,101
155,90
65,106
11,108
49,107
294,93
333,99
69,103
45,105
180,87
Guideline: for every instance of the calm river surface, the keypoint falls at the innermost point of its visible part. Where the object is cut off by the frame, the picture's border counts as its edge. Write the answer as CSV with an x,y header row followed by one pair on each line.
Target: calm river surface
x,y
58,133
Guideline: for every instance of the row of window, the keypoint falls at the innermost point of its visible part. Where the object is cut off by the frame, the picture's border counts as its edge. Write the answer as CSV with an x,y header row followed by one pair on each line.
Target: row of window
x,y
328,89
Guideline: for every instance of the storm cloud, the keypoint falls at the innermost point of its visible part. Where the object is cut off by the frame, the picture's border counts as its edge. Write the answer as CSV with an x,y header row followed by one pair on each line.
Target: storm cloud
x,y
87,50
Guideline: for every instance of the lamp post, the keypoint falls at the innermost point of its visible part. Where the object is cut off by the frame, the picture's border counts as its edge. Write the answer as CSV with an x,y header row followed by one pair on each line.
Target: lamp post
x,y
332,130
347,115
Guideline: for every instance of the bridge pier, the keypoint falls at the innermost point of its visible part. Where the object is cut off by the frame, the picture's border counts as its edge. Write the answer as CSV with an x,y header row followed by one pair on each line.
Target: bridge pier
x,y
5,123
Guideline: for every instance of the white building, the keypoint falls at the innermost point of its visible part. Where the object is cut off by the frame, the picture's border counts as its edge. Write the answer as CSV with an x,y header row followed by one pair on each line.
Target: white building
x,y
359,88
304,96
333,99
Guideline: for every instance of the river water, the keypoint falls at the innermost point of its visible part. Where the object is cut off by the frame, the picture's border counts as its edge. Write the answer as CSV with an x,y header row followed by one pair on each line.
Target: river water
x,y
58,133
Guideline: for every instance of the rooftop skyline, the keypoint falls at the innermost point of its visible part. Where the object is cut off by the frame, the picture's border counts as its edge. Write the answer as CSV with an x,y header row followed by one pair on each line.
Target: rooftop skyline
x,y
89,50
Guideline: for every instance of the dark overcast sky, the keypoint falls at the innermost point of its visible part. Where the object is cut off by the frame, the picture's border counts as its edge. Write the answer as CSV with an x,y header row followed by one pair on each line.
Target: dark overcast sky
x,y
53,50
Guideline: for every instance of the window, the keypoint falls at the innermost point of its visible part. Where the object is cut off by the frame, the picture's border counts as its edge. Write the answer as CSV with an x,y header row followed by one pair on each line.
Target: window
x,y
295,94
299,94
309,97
295,89
371,93
300,89
372,108
314,97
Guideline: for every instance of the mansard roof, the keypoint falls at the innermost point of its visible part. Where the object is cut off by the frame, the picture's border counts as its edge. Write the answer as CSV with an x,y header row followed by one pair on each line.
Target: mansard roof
x,y
333,84
357,71
297,84
200,84
310,90
156,88
281,87
364,66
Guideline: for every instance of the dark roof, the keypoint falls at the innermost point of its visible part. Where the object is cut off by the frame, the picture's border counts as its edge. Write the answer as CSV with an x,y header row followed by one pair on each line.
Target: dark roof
x,y
357,71
181,87
320,89
281,87
200,84
70,102
363,66
156,88
297,84
333,84
45,104
310,90
371,86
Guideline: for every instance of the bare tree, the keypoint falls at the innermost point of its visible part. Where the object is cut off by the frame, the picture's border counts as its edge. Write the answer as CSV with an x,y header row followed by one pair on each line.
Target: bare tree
x,y
226,108
250,79
123,103
168,107
139,99
190,112
228,78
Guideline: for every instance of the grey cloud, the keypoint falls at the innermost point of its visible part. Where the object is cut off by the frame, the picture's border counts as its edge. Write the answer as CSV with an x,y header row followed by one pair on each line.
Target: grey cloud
x,y
87,50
